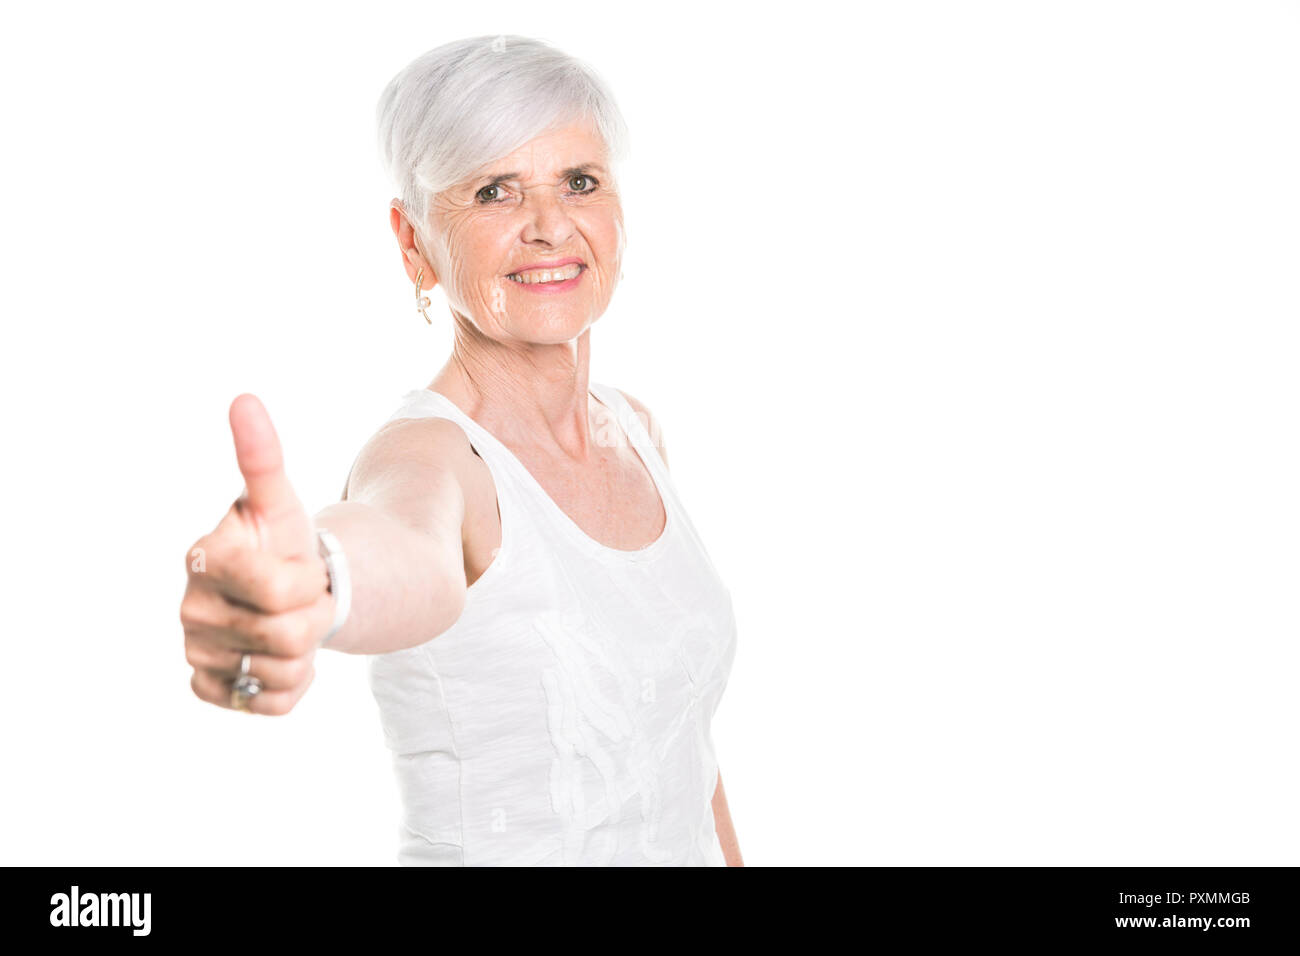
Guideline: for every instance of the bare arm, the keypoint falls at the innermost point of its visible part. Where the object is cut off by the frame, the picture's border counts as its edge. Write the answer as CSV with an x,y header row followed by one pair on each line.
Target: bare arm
x,y
726,829
400,529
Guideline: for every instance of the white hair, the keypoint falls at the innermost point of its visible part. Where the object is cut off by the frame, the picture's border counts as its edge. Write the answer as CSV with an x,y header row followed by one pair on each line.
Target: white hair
x,y
467,103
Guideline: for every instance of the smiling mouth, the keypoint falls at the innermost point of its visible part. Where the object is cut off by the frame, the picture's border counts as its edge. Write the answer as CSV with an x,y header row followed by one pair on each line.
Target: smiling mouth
x,y
544,276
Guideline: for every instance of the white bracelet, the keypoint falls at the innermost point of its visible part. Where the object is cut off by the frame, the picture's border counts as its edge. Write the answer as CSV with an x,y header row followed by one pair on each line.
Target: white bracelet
x,y
340,584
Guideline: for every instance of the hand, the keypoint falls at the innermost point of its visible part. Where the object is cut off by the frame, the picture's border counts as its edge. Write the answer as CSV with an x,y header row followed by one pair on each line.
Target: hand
x,y
257,584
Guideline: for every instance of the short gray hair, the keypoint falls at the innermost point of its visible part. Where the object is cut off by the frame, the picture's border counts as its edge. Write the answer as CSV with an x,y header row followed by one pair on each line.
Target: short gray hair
x,y
462,105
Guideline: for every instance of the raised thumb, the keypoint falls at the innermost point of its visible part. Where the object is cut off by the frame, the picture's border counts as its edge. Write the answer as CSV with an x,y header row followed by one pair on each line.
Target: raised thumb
x,y
282,523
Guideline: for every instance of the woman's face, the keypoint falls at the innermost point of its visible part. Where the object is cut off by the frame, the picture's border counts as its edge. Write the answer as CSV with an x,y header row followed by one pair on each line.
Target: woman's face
x,y
551,201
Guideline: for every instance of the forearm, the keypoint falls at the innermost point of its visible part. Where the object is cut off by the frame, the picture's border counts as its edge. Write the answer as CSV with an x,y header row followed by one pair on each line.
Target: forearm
x,y
725,828
402,595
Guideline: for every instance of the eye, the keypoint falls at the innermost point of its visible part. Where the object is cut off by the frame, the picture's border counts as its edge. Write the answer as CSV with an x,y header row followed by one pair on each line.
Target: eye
x,y
584,179
494,189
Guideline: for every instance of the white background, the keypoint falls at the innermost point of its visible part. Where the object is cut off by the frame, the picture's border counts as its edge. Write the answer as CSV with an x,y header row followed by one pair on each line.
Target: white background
x,y
971,328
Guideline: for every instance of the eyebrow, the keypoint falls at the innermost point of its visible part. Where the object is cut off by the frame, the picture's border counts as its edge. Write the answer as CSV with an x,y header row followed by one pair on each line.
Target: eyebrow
x,y
567,173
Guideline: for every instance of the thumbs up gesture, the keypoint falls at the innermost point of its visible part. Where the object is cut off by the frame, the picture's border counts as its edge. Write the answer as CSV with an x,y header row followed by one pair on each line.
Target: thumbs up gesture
x,y
257,587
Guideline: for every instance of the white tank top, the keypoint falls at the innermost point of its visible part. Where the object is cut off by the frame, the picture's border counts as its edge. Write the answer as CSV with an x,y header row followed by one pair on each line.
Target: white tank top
x,y
564,718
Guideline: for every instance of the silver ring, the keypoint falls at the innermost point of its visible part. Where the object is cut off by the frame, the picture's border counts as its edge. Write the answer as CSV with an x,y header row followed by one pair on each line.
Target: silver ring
x,y
245,686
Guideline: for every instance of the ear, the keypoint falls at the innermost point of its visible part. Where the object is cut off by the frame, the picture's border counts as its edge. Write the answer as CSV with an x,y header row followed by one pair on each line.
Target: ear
x,y
413,260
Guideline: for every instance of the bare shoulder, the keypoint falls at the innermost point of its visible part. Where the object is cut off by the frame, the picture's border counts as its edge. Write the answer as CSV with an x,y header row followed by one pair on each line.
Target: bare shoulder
x,y
651,424
415,469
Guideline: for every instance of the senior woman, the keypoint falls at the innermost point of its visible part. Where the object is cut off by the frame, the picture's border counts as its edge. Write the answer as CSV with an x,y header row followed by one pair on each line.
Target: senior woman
x,y
548,638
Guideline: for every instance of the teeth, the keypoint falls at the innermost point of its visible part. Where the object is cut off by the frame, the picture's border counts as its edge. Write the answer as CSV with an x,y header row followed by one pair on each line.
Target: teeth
x,y
535,276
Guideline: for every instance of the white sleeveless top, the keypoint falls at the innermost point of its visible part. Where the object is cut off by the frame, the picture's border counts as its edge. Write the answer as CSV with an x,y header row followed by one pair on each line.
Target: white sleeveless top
x,y
564,718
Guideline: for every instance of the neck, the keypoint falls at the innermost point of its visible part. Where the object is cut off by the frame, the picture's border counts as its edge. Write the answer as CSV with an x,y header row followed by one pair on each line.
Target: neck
x,y
529,396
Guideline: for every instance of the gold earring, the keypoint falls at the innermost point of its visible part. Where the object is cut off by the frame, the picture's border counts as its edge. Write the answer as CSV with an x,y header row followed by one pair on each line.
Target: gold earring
x,y
421,301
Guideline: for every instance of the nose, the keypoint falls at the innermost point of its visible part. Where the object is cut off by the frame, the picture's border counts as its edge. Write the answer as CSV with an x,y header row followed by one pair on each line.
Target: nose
x,y
547,219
